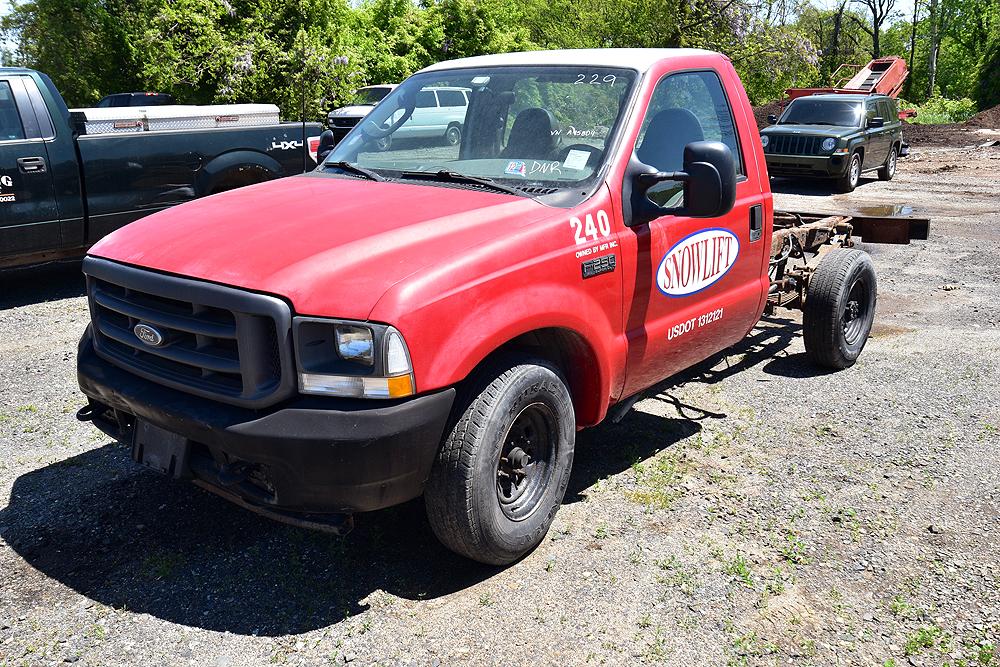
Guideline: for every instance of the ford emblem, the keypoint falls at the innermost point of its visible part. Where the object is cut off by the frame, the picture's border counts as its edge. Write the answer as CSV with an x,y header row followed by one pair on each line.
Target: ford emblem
x,y
148,334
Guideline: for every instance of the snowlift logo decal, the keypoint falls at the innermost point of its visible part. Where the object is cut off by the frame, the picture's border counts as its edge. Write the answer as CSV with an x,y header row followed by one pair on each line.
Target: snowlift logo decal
x,y
697,261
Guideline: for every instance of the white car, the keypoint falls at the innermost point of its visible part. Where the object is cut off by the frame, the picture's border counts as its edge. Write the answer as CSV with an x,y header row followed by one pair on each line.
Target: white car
x,y
439,113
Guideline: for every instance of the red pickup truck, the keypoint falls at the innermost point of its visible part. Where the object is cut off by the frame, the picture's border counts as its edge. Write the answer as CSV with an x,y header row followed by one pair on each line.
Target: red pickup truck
x,y
417,317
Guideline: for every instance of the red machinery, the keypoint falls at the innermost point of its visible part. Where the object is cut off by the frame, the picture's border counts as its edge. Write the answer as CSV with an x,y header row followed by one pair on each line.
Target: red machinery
x,y
881,76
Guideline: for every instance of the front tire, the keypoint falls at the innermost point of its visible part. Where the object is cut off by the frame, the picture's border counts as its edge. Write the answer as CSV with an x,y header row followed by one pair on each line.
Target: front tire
x,y
502,470
839,308
849,180
888,170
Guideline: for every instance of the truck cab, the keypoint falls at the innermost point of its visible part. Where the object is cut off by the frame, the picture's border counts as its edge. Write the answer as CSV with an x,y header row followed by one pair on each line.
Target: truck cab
x,y
440,320
41,205
835,136
67,178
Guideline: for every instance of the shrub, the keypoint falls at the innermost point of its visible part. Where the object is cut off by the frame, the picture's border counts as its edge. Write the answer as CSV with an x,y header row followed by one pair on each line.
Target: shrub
x,y
939,110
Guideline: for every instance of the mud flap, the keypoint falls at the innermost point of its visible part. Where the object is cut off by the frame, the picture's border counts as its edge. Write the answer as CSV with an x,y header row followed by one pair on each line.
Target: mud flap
x,y
160,450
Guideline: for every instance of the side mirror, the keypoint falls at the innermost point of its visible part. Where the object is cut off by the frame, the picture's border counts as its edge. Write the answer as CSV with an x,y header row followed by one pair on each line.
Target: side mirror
x,y
877,121
772,119
709,179
326,143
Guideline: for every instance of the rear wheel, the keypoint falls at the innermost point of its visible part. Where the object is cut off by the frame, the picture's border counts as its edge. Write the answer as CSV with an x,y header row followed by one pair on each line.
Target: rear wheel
x,y
453,135
503,468
839,308
888,170
849,180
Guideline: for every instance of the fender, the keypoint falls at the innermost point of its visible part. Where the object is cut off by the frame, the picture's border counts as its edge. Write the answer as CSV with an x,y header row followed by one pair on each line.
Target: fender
x,y
443,357
215,172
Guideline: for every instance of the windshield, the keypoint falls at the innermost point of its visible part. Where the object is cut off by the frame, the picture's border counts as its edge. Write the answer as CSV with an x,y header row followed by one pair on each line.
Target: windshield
x,y
523,127
822,112
369,96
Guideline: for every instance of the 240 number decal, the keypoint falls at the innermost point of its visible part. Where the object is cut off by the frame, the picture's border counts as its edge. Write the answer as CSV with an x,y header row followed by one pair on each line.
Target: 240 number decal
x,y
586,231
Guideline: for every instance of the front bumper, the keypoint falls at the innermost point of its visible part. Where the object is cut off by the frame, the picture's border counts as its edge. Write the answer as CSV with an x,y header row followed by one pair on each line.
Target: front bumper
x,y
310,454
814,166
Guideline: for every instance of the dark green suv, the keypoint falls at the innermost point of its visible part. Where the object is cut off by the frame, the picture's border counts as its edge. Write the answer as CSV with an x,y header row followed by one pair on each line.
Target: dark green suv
x,y
835,136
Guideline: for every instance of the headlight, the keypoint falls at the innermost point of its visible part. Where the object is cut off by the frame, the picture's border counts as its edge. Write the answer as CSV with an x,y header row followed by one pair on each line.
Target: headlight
x,y
764,140
828,144
351,359
355,343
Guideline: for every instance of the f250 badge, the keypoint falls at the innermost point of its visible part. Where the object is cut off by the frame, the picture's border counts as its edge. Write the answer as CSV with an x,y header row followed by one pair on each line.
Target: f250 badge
x,y
6,197
697,261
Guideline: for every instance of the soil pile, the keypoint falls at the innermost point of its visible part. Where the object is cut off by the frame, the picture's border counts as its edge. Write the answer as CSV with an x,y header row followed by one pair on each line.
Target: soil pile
x,y
762,112
987,119
954,134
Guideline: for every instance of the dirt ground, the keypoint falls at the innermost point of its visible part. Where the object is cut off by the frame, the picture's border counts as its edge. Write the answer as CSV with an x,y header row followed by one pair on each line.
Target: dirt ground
x,y
752,512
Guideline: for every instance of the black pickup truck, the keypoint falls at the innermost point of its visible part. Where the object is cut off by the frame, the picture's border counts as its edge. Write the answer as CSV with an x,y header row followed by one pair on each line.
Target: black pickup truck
x,y
66,180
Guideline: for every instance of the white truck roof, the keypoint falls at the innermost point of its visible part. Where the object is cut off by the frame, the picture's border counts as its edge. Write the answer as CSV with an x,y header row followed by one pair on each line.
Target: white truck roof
x,y
638,59
124,120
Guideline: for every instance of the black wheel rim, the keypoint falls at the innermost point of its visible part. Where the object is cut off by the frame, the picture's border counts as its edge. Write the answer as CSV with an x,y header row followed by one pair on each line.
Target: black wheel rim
x,y
854,316
527,459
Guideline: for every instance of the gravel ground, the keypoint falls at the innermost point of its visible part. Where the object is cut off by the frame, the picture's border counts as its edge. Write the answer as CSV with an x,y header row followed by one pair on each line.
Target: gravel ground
x,y
752,512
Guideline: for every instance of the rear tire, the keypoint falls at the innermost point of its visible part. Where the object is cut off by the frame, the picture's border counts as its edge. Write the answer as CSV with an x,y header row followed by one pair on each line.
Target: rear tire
x,y
849,180
453,135
839,308
888,170
502,470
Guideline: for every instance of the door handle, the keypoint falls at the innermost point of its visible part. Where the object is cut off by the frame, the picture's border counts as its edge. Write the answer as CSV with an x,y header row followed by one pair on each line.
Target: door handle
x,y
31,165
756,222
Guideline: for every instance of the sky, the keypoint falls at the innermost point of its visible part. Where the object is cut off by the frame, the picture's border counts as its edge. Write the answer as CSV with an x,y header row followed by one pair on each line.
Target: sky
x,y
4,8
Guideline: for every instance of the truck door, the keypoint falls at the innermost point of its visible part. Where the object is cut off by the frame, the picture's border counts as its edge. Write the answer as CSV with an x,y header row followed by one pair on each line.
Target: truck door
x,y
29,216
697,285
877,138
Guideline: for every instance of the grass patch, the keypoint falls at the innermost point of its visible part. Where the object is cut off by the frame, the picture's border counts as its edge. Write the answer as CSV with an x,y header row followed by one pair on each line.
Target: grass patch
x,y
926,637
675,575
739,568
658,481
161,565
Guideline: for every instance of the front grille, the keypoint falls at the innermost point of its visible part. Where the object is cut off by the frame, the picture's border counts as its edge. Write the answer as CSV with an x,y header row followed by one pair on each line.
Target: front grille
x,y
343,121
793,144
217,342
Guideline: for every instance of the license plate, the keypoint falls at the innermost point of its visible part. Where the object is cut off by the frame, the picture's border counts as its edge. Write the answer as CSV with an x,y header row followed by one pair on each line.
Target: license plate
x,y
159,449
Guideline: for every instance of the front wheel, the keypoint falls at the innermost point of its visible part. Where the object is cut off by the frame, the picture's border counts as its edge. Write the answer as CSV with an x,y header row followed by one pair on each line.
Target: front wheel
x,y
888,170
849,180
839,308
502,470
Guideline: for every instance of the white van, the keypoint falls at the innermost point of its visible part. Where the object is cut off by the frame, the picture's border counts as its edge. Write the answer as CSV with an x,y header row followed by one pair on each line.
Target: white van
x,y
439,114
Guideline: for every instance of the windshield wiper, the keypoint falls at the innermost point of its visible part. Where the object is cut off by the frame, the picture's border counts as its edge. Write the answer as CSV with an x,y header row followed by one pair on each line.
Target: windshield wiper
x,y
455,177
354,169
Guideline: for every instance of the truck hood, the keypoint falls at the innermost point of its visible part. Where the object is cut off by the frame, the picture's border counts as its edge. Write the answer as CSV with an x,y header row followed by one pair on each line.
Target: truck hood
x,y
812,130
353,110
331,245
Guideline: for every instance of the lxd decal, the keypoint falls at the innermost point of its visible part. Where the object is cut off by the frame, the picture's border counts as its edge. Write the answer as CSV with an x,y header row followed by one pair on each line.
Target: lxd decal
x,y
6,197
697,261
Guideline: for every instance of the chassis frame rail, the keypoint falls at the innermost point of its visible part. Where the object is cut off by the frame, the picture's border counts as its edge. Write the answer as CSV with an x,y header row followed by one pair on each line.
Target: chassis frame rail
x,y
801,238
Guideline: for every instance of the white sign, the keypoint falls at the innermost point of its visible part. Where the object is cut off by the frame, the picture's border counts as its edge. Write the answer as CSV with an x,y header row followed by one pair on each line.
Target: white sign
x,y
697,261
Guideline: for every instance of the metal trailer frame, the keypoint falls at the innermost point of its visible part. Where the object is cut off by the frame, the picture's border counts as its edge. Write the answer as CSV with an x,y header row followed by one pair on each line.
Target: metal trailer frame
x,y
800,239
